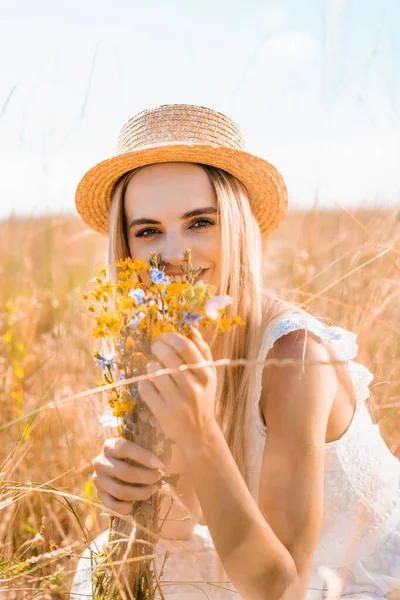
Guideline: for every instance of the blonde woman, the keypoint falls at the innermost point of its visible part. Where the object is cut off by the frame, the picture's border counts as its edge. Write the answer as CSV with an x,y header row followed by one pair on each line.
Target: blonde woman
x,y
282,507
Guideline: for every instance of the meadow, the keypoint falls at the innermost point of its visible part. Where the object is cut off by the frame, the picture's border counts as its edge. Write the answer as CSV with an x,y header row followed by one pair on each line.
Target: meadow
x,y
344,265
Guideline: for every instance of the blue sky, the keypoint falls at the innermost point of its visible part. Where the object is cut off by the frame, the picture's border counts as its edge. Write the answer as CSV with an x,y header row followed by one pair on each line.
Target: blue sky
x,y
313,84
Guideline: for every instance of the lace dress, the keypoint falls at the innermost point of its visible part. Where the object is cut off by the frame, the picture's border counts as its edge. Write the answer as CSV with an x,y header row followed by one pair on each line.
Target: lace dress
x,y
359,539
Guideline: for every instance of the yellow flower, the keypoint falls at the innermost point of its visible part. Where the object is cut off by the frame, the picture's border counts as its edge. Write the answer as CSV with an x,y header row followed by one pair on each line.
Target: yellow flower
x,y
124,262
132,265
174,289
158,287
124,274
237,320
102,271
127,303
224,324
120,408
161,327
125,286
139,264
97,294
107,323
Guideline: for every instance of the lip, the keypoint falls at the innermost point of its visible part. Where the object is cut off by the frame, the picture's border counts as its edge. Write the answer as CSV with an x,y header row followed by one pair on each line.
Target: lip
x,y
180,274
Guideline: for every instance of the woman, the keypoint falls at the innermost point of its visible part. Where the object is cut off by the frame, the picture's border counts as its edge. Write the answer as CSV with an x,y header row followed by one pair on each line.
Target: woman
x,y
318,496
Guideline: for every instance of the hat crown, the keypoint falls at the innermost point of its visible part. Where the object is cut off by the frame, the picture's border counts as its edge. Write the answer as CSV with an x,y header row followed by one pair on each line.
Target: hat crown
x,y
179,124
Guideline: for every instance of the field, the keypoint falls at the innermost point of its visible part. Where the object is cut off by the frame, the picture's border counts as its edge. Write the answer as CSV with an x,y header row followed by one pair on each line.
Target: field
x,y
342,265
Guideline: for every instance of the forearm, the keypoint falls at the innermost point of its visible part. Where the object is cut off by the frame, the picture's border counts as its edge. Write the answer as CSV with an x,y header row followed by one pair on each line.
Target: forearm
x,y
254,558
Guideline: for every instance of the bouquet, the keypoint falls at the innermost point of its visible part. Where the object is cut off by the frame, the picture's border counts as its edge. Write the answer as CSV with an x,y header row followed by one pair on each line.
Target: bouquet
x,y
128,314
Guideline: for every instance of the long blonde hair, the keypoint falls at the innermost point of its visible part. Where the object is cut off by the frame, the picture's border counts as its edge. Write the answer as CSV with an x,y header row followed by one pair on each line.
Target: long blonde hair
x,y
241,278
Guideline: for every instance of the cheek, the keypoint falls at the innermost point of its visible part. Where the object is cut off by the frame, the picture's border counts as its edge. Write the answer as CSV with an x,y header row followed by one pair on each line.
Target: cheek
x,y
144,277
140,251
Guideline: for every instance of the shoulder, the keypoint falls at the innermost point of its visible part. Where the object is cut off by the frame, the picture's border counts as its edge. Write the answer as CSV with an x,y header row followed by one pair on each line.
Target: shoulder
x,y
296,399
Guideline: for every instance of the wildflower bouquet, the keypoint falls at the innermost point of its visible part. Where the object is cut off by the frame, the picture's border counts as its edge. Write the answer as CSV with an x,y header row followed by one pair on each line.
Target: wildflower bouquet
x,y
128,315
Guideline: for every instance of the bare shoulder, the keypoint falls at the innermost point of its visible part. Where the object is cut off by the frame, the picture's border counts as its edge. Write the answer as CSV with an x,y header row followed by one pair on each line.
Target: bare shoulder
x,y
296,399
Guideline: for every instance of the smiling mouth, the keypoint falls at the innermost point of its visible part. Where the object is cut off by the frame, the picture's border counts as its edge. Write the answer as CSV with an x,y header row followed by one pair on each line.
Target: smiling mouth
x,y
182,278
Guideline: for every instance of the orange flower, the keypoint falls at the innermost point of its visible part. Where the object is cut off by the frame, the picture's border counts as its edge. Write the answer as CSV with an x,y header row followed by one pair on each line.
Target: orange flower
x,y
120,408
224,324
237,320
161,327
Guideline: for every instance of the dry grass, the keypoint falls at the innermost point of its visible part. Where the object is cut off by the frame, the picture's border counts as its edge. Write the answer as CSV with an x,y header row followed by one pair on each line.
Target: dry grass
x,y
45,264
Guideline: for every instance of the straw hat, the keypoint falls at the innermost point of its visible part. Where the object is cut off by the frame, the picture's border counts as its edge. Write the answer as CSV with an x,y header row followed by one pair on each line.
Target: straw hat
x,y
183,133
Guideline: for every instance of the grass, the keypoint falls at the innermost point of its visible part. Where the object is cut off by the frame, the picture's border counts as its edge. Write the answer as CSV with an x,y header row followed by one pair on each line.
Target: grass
x,y
342,265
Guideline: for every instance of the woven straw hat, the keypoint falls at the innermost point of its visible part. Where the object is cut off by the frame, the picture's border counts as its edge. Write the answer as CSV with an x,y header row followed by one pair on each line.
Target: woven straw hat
x,y
183,133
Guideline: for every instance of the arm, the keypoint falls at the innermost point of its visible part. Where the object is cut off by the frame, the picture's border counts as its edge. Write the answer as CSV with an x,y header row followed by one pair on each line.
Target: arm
x,y
296,405
252,555
266,550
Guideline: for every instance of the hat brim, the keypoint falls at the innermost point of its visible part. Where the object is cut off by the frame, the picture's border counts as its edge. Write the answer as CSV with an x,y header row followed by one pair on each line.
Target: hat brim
x,y
264,184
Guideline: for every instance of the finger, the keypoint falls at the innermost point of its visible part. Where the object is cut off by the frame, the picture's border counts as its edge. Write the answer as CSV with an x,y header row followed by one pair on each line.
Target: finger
x,y
164,384
183,346
170,352
121,507
122,448
201,344
152,399
204,348
193,350
122,491
125,472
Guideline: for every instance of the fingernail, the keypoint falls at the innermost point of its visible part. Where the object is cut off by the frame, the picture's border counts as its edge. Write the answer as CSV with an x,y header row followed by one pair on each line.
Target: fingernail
x,y
155,462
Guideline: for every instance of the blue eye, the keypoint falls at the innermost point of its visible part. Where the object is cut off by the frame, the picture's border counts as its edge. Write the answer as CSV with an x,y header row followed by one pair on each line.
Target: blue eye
x,y
142,232
206,221
150,231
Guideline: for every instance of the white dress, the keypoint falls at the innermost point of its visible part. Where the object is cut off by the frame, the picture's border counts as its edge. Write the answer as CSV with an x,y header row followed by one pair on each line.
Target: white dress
x,y
359,540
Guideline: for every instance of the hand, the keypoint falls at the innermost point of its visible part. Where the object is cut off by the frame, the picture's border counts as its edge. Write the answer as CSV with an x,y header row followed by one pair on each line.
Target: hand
x,y
120,484
183,403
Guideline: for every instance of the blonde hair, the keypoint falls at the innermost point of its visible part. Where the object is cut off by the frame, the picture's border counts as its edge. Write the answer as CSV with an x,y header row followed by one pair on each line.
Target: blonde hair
x,y
241,278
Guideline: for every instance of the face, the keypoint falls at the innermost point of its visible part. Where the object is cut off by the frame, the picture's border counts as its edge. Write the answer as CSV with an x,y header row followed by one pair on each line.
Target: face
x,y
169,208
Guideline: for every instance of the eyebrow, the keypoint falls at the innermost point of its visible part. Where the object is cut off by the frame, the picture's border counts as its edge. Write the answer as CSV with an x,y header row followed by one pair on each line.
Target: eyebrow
x,y
187,215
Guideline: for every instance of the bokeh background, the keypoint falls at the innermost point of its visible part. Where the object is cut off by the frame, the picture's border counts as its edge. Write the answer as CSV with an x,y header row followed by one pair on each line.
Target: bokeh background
x,y
314,86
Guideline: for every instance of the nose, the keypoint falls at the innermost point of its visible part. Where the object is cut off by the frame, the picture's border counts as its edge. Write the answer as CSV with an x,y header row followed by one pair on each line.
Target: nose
x,y
173,256
173,251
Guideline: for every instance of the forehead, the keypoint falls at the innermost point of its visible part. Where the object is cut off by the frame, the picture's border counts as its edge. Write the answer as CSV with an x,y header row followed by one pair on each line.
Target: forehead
x,y
168,188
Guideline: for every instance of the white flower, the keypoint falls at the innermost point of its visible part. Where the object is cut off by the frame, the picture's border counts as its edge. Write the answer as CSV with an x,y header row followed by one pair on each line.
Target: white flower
x,y
107,419
213,305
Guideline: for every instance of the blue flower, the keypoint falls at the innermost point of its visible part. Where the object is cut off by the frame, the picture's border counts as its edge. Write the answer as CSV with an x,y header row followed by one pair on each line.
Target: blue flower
x,y
105,360
134,322
158,276
191,318
134,390
121,376
121,344
138,294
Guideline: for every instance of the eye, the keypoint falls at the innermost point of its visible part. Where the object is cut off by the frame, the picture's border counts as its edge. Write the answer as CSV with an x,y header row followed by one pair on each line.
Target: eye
x,y
208,223
198,224
146,232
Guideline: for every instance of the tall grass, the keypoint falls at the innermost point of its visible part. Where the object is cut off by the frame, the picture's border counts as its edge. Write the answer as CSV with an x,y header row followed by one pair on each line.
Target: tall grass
x,y
325,260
